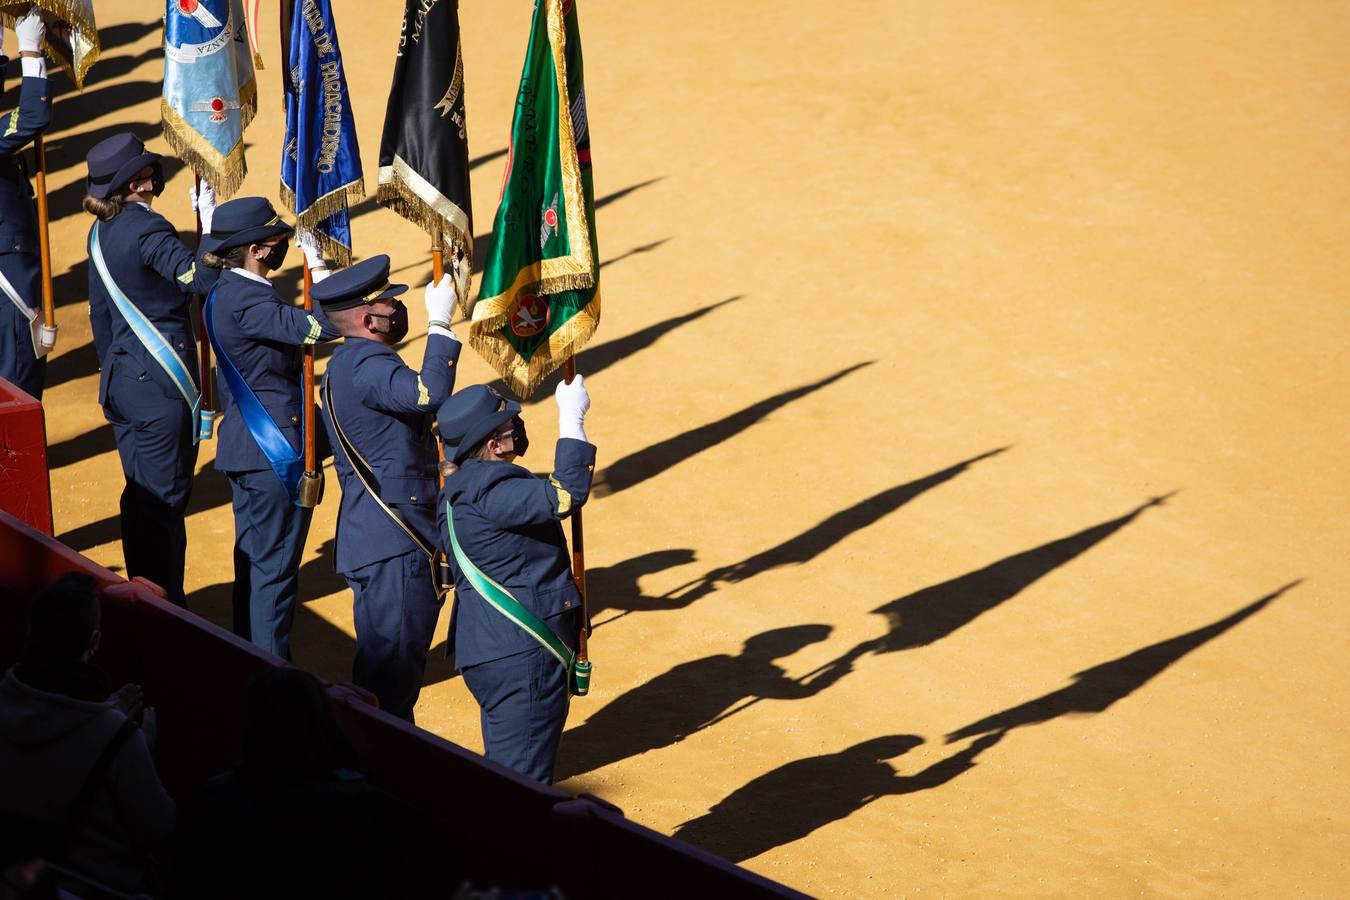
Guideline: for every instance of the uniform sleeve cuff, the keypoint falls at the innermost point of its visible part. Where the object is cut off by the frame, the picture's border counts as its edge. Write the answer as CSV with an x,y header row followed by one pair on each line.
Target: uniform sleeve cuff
x,y
34,67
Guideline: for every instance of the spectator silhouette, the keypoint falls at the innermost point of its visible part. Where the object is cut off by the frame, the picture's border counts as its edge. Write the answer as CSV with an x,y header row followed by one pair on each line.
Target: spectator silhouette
x,y
292,819
794,800
75,770
678,703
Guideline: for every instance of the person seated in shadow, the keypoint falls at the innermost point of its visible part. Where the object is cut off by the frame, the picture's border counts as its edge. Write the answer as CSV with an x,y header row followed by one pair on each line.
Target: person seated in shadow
x,y
76,773
293,818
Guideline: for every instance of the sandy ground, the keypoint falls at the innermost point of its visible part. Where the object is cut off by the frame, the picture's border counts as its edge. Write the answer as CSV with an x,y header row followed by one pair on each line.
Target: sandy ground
x,y
911,312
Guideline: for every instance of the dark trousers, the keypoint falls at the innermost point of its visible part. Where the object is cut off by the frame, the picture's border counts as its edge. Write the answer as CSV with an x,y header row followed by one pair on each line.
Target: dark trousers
x,y
18,364
153,431
269,539
395,606
523,706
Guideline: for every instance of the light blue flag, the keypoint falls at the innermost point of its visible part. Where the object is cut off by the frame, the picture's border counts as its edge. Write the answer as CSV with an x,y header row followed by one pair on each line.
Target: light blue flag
x,y
320,161
210,94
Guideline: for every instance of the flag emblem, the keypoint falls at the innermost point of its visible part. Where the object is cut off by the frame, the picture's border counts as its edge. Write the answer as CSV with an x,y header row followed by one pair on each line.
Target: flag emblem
x,y
549,226
200,13
216,106
530,317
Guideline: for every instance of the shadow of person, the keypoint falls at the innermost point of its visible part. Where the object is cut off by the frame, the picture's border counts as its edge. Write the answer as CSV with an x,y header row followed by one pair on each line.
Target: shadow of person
x,y
678,703
792,801
933,613
616,586
649,462
1097,689
804,547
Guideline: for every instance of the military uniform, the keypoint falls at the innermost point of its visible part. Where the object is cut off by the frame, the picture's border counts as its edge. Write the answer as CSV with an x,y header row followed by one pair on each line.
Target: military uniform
x,y
155,428
385,411
508,524
261,335
20,270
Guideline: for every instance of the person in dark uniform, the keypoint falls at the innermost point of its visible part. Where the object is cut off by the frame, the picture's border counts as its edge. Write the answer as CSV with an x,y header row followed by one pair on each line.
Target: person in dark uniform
x,y
258,338
379,414
507,525
22,348
140,276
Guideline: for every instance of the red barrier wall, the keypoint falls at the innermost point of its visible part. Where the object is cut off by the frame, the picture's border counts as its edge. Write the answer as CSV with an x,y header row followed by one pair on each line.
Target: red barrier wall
x,y
454,813
25,491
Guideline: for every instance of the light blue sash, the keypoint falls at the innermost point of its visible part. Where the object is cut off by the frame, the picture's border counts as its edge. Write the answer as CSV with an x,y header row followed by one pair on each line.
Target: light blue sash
x,y
149,336
283,459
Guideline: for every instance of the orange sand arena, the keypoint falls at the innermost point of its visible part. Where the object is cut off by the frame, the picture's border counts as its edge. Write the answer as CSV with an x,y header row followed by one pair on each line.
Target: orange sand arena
x,y
913,314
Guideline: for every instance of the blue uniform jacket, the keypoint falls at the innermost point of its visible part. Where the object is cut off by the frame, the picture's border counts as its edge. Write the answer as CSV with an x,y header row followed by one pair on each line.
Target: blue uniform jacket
x,y
263,336
18,214
157,272
386,410
509,524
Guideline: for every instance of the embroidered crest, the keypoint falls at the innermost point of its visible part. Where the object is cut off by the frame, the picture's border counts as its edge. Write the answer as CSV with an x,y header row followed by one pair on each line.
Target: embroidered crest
x,y
531,316
549,226
216,106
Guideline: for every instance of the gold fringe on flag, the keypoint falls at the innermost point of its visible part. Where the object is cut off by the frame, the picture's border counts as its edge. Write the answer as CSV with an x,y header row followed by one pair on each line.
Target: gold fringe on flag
x,y
330,203
525,376
225,173
405,192
77,53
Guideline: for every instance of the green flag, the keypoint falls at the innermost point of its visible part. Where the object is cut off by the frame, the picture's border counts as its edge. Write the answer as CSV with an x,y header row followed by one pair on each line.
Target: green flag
x,y
539,297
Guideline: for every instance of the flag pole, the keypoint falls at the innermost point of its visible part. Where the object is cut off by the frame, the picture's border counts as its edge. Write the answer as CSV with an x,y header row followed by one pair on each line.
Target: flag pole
x,y
312,476
579,557
311,482
208,405
48,335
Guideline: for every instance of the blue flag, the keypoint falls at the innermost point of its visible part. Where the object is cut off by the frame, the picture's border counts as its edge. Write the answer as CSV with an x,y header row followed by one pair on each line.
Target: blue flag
x,y
210,94
321,162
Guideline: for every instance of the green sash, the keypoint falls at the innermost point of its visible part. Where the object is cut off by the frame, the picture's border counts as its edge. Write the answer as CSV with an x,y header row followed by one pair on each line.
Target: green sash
x,y
500,599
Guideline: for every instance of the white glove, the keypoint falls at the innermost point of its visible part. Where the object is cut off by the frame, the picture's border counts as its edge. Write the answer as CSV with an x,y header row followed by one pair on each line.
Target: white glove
x,y
573,402
204,202
439,297
30,29
309,245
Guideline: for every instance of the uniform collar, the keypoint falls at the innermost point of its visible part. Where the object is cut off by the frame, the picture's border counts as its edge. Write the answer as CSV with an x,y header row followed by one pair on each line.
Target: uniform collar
x,y
252,276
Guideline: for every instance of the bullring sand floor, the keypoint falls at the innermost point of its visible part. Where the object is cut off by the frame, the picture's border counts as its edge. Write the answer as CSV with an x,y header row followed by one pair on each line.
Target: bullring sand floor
x,y
971,396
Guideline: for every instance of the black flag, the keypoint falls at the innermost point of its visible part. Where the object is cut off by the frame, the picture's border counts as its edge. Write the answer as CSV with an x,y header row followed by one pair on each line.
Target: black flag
x,y
424,154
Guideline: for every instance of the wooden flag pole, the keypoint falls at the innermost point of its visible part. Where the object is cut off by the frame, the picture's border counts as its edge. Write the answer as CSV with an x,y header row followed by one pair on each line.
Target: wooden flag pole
x,y
45,245
579,555
312,481
208,389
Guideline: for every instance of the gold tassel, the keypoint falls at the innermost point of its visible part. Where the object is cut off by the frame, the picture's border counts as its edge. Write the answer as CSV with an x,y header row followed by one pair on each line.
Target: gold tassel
x,y
225,174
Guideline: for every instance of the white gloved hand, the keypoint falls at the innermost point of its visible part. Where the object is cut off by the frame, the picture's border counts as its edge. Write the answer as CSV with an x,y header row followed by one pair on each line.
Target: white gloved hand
x,y
309,245
204,202
440,300
30,29
573,402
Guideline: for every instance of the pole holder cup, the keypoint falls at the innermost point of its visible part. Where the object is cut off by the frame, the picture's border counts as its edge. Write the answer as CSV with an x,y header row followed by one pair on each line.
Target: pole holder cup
x,y
311,489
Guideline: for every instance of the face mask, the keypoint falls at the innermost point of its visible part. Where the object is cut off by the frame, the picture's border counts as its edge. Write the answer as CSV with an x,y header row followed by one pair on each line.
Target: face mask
x,y
276,255
157,179
521,440
398,323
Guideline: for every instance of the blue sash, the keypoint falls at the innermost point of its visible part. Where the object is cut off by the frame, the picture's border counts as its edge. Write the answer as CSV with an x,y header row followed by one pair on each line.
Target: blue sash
x,y
149,336
283,459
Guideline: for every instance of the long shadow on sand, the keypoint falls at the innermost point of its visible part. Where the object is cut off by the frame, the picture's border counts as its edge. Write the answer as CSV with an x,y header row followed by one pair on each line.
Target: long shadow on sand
x,y
651,461
804,547
674,705
794,800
